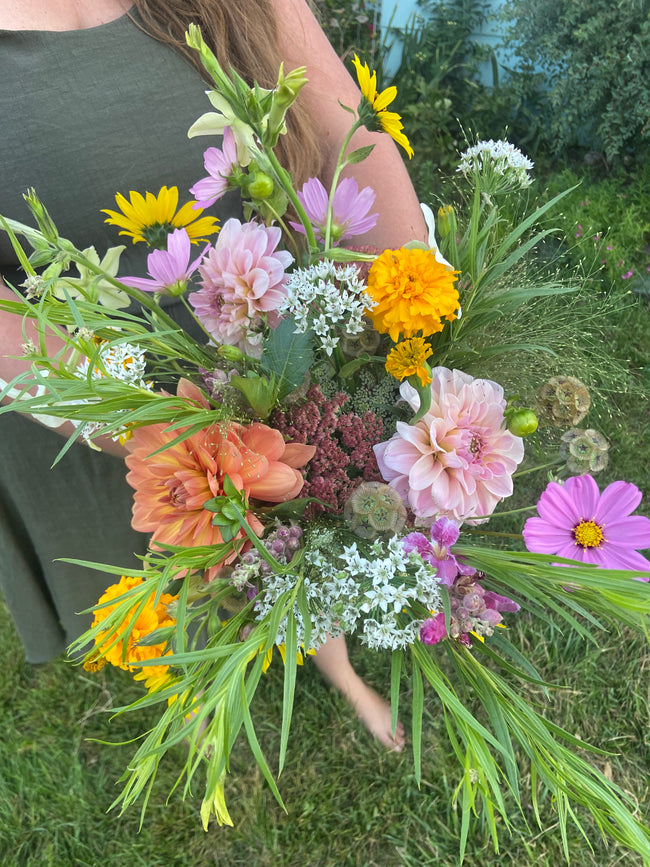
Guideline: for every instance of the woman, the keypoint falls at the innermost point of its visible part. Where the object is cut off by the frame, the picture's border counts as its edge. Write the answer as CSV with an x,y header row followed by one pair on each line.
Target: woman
x,y
97,98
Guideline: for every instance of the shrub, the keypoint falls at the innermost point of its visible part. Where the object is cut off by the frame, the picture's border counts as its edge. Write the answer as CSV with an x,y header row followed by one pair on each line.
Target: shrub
x,y
596,57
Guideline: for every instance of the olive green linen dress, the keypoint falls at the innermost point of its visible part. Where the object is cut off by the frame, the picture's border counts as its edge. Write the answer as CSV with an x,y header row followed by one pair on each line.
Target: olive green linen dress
x,y
84,114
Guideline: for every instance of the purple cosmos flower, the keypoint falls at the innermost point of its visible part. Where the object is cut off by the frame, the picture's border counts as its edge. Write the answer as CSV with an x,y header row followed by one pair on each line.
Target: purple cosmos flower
x,y
349,209
170,269
220,165
578,522
444,534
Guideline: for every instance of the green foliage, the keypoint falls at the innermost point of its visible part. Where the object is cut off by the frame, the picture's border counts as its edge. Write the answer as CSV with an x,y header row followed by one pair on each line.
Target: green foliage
x,y
351,26
437,82
606,225
596,58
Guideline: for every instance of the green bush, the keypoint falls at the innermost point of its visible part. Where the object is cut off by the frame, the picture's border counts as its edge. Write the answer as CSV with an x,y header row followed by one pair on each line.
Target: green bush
x,y
596,58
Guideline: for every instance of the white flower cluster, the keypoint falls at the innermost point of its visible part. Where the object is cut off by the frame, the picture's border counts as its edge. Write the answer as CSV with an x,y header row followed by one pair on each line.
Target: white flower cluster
x,y
365,594
497,158
123,361
327,298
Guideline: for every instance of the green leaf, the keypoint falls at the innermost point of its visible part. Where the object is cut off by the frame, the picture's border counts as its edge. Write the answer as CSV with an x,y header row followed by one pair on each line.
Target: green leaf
x,y
288,355
359,154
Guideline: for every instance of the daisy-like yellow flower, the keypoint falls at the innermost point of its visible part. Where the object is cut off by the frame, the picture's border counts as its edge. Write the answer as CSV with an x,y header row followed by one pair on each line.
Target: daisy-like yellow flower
x,y
412,293
372,110
408,358
151,219
148,621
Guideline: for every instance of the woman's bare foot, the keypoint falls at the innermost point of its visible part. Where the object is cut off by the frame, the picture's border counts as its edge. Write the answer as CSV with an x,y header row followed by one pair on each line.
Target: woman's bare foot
x,y
374,712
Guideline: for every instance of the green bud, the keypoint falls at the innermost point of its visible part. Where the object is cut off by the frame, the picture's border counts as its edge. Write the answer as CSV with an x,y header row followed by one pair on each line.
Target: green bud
x,y
260,186
522,422
284,95
445,215
42,217
230,353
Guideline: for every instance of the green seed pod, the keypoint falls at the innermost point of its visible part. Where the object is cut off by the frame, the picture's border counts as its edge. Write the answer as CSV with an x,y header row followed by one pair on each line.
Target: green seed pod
x,y
374,510
522,422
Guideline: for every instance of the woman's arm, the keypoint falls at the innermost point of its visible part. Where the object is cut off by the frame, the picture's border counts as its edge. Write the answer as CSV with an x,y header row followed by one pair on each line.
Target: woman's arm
x,y
12,340
303,43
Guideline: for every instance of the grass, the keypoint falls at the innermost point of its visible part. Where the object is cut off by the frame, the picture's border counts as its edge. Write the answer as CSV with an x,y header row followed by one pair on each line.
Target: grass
x,y
348,802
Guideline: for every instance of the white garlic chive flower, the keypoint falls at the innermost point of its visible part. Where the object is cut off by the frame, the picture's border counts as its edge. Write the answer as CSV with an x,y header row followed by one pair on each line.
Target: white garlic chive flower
x,y
369,594
500,165
328,299
122,361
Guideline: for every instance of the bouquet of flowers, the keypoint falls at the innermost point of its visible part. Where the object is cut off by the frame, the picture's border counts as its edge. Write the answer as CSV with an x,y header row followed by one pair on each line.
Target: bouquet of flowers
x,y
316,460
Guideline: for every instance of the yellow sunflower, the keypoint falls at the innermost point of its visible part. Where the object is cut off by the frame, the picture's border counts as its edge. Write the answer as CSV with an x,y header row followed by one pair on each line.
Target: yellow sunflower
x,y
152,218
412,293
409,358
372,111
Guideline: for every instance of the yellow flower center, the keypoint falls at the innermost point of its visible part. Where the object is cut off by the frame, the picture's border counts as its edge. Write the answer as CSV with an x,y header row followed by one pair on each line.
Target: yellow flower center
x,y
588,534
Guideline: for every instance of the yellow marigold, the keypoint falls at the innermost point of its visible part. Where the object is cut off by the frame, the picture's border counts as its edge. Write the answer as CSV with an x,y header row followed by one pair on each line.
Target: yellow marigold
x,y
408,358
412,293
149,619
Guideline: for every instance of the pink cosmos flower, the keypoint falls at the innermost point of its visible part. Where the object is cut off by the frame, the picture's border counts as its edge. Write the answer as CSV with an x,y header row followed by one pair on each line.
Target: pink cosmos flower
x,y
458,459
170,269
220,165
243,281
349,209
578,522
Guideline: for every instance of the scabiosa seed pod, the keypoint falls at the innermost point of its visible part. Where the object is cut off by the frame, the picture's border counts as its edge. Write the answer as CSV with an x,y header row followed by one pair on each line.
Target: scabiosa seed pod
x,y
563,400
374,510
368,340
585,451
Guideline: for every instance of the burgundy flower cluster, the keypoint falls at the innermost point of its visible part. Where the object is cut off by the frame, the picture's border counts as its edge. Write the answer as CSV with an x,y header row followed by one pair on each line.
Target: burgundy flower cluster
x,y
344,445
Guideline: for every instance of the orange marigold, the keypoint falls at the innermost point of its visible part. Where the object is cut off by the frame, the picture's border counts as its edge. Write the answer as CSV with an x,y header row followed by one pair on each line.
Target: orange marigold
x,y
412,293
149,619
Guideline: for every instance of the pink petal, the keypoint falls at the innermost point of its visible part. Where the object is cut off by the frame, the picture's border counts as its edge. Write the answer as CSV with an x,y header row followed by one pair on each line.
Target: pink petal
x,y
617,500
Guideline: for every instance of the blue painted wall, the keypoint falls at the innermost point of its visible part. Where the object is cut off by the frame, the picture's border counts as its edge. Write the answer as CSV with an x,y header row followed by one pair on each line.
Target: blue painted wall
x,y
399,13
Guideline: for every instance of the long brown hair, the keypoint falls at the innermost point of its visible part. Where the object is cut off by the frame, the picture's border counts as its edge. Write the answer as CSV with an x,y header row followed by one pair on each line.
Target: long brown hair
x,y
242,34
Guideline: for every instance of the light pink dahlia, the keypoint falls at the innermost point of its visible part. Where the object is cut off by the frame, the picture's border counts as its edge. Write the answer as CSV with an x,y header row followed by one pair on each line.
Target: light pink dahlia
x,y
243,283
458,459
578,522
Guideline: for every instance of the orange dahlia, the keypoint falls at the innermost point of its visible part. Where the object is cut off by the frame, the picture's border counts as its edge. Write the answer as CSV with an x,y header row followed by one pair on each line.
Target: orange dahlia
x,y
172,485
412,293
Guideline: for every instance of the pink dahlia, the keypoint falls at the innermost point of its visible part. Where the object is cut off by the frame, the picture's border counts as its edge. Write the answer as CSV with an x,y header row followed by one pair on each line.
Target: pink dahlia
x,y
243,280
172,485
458,459
220,166
578,522
349,209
